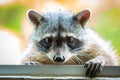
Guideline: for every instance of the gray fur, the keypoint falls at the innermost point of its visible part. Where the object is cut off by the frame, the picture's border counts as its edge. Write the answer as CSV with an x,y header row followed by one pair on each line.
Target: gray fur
x,y
54,21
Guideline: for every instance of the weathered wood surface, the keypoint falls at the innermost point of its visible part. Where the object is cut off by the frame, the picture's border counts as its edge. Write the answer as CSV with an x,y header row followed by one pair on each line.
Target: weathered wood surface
x,y
56,72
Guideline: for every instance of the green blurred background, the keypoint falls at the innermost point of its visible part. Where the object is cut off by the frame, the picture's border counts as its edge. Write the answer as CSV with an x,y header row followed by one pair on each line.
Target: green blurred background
x,y
11,16
108,26
105,18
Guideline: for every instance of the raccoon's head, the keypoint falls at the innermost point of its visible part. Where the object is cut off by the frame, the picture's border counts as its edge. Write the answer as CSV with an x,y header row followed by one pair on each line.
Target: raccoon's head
x,y
59,35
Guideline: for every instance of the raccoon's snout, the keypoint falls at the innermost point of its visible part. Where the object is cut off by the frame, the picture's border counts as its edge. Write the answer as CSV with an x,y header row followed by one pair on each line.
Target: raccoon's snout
x,y
58,58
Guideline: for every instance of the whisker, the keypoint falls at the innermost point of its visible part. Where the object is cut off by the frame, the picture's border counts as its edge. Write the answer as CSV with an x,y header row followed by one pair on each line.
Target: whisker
x,y
78,60
72,61
85,55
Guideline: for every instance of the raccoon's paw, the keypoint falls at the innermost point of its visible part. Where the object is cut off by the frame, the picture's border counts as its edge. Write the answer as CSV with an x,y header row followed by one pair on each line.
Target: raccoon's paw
x,y
32,63
93,68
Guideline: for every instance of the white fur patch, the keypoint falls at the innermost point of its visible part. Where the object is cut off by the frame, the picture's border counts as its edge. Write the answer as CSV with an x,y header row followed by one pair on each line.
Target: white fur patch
x,y
93,37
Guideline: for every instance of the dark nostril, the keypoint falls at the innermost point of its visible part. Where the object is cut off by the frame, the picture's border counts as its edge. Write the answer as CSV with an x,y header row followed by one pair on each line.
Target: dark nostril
x,y
59,58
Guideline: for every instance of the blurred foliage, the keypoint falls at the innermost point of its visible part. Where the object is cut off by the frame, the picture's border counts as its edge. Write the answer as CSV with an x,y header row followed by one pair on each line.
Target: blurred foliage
x,y
11,16
109,26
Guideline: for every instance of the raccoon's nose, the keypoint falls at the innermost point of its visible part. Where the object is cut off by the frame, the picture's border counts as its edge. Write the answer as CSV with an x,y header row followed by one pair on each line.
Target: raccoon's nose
x,y
59,58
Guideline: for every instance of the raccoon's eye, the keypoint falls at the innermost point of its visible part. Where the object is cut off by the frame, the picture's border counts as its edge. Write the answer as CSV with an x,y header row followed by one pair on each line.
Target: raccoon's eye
x,y
47,42
73,42
69,40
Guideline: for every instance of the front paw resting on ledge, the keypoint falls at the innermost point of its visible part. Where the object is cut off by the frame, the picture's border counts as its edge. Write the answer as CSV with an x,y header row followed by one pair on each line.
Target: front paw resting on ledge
x,y
93,67
32,63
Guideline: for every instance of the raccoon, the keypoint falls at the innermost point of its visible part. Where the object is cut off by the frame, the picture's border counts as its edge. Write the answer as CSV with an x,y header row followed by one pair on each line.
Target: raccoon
x,y
62,38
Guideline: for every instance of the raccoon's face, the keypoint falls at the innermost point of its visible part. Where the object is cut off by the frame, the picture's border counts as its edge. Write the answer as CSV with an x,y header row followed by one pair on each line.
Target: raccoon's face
x,y
59,35
60,47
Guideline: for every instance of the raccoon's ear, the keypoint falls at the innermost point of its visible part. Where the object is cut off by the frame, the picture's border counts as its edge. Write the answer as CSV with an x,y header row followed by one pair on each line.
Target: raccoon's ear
x,y
82,17
34,17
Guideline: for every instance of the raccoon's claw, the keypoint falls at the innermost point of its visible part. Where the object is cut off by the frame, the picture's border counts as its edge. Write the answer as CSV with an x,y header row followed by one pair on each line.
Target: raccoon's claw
x,y
32,63
93,68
